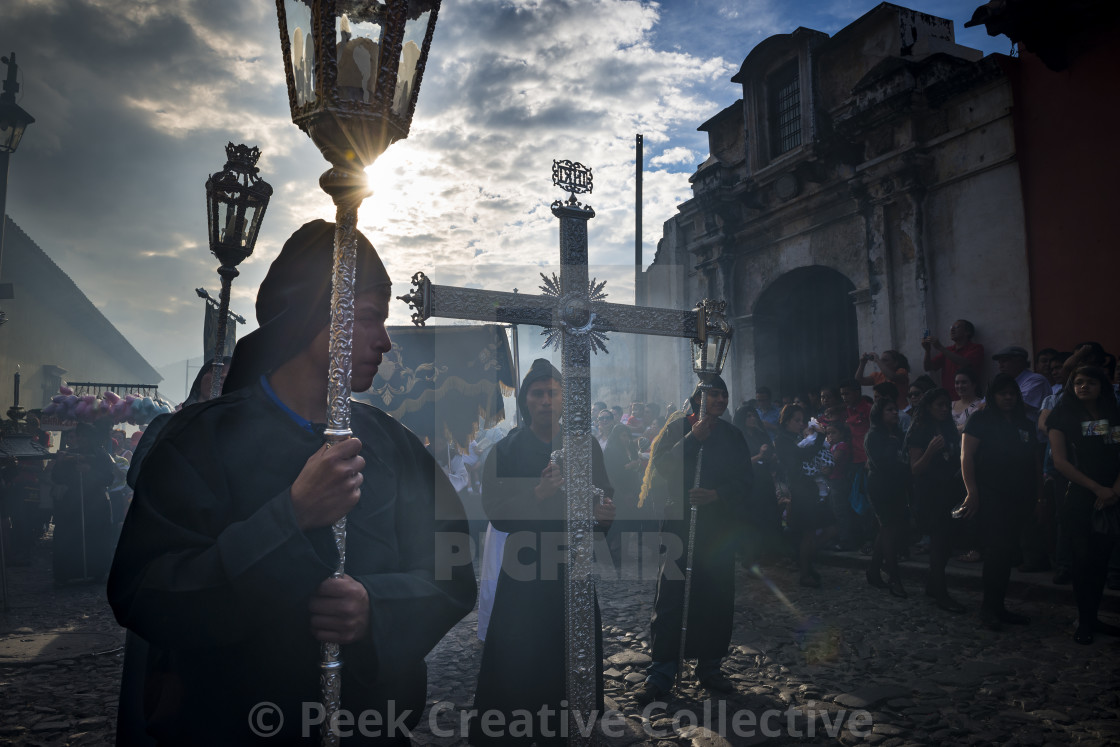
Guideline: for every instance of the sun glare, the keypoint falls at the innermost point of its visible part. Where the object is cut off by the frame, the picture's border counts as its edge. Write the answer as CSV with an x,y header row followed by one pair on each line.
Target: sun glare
x,y
388,179
400,197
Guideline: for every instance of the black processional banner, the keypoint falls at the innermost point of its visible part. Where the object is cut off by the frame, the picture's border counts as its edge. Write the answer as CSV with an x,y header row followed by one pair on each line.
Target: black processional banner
x,y
210,333
445,378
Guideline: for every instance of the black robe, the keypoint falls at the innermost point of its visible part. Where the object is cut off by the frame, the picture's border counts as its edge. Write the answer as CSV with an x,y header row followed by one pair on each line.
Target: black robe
x,y
213,570
524,659
726,468
82,544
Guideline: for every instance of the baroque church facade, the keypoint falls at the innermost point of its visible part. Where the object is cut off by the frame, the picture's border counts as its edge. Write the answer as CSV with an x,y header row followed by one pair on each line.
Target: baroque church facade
x,y
864,189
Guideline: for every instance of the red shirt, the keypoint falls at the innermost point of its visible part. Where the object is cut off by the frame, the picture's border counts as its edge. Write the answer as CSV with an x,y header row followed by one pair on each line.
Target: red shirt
x,y
973,353
859,421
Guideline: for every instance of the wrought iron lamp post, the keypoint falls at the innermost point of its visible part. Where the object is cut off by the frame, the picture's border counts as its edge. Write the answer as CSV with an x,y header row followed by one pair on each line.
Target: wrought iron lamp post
x,y
353,69
709,353
236,199
13,121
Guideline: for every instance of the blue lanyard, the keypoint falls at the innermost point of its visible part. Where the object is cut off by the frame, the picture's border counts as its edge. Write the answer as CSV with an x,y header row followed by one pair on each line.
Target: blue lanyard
x,y
301,421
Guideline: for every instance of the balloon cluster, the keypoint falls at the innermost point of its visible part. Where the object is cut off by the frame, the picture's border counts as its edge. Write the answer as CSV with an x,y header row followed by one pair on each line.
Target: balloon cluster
x,y
89,407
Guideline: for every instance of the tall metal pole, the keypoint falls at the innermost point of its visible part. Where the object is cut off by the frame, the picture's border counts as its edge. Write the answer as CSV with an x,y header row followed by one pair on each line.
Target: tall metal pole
x,y
638,157
691,541
228,274
347,189
640,378
5,157
516,378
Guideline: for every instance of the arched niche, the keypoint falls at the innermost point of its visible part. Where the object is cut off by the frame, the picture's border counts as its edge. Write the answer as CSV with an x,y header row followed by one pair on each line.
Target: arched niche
x,y
805,333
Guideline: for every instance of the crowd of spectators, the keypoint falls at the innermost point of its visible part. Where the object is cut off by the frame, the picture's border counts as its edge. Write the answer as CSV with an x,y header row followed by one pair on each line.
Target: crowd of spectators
x,y
1023,471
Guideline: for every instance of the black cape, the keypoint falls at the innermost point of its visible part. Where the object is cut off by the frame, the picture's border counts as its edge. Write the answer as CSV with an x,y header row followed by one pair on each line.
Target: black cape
x,y
82,545
726,468
212,569
523,662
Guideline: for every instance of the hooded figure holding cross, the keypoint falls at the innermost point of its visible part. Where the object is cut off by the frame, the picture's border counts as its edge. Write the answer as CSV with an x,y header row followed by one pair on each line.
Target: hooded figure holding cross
x,y
523,668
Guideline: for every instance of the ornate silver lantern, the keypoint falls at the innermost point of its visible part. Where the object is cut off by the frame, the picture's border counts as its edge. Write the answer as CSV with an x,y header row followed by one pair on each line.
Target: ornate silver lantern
x,y
354,69
713,339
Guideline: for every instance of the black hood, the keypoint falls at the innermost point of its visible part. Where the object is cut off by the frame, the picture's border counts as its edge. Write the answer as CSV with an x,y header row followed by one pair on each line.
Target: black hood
x,y
294,300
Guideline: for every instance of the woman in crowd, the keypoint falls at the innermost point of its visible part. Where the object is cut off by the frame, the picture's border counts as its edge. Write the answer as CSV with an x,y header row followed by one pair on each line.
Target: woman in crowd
x,y
624,470
1001,463
832,408
1085,445
969,397
838,437
854,524
893,367
655,421
810,517
968,402
888,480
933,447
763,530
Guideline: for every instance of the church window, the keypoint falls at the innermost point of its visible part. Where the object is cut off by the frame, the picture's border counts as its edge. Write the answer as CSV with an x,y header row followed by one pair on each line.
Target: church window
x,y
785,109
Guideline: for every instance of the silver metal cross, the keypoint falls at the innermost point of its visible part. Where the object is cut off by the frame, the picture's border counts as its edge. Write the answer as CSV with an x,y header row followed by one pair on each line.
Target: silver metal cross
x,y
577,319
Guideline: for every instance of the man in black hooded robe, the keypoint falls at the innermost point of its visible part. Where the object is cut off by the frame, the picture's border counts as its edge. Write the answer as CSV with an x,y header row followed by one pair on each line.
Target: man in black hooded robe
x,y
524,665
225,560
722,503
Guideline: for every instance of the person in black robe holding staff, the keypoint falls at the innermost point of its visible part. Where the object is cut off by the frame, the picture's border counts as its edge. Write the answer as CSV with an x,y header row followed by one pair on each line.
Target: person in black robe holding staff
x,y
520,697
723,502
83,518
226,556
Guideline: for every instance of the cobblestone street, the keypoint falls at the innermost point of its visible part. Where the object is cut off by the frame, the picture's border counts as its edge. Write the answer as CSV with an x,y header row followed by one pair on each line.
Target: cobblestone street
x,y
812,666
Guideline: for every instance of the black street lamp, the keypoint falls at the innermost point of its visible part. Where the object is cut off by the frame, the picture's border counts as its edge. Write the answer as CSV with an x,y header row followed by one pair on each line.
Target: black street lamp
x,y
236,199
13,121
353,69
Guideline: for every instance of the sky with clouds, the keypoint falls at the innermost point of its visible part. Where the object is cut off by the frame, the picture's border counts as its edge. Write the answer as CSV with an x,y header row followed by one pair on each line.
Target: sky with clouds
x,y
134,101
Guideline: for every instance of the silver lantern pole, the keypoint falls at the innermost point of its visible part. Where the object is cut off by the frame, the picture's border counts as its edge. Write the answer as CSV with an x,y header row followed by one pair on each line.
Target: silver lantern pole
x,y
353,71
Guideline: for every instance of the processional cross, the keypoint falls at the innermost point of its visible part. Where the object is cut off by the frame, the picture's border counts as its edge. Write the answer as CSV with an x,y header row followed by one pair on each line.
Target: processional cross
x,y
576,319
